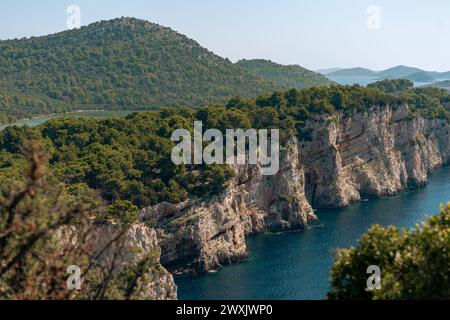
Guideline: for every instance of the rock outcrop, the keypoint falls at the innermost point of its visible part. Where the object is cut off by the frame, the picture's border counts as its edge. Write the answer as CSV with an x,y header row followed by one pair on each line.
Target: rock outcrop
x,y
332,162
137,241
371,154
114,248
201,236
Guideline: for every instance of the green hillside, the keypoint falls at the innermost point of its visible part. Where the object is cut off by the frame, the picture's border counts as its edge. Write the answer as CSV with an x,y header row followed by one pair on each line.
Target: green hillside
x,y
398,72
119,63
442,85
291,76
353,72
420,77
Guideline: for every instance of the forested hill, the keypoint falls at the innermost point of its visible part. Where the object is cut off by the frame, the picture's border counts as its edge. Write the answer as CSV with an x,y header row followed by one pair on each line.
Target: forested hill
x,y
121,63
291,76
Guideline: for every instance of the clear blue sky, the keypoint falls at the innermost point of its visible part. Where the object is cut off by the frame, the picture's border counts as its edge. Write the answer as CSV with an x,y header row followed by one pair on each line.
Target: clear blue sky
x,y
313,33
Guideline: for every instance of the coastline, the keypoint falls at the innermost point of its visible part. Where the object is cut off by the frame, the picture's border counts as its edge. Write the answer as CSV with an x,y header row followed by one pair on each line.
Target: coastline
x,y
60,115
57,114
311,248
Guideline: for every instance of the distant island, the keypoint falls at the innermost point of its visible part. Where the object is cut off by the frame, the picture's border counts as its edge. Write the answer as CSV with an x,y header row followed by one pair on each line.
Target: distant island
x,y
353,72
399,72
442,85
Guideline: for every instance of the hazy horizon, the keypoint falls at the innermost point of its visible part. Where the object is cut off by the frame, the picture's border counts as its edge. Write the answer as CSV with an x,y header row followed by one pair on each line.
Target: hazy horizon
x,y
319,35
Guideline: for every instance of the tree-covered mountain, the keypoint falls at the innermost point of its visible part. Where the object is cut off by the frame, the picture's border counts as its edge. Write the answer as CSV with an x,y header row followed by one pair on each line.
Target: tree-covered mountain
x,y
353,72
290,76
398,72
440,75
442,85
125,63
327,70
421,76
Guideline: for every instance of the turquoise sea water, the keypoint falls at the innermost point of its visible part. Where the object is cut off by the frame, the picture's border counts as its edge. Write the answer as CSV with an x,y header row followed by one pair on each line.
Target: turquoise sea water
x,y
296,265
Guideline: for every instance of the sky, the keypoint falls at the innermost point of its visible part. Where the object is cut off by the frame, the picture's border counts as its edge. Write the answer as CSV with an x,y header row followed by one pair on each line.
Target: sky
x,y
316,34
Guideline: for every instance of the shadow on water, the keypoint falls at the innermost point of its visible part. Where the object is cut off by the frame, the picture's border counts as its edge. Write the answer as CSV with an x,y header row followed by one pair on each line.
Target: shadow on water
x,y
296,265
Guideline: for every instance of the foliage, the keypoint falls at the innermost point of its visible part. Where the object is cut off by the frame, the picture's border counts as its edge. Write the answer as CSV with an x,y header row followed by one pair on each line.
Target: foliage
x,y
392,86
292,76
43,230
125,158
18,105
415,264
130,158
134,64
429,102
122,63
442,84
122,211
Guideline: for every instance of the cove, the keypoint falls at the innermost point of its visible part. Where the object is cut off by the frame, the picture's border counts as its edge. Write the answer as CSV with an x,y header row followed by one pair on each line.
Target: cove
x,y
296,265
77,114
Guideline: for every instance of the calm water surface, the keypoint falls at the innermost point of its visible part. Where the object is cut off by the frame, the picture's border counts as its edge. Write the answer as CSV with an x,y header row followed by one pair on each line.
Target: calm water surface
x,y
81,114
296,265
364,80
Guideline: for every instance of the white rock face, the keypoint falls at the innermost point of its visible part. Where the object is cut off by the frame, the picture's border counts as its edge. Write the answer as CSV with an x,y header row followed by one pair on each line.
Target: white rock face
x,y
372,154
331,164
201,236
137,241
109,246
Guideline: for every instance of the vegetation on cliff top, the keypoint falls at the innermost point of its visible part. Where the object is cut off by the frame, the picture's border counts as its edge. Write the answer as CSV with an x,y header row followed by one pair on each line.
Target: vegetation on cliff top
x,y
130,158
123,158
429,102
124,163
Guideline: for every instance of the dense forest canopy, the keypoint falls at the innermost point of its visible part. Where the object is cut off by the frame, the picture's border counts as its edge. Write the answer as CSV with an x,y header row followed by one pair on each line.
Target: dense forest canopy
x,y
392,86
130,158
122,63
291,76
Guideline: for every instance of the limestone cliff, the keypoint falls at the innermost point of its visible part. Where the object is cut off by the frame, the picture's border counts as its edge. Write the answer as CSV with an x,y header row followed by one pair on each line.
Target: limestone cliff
x,y
200,236
370,155
115,247
331,163
137,241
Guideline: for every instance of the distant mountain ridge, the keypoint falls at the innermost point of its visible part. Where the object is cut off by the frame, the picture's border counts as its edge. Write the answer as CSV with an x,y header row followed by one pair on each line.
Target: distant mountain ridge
x,y
442,85
353,72
398,72
124,63
327,71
